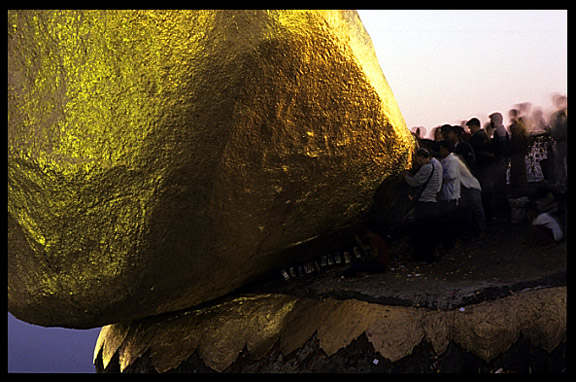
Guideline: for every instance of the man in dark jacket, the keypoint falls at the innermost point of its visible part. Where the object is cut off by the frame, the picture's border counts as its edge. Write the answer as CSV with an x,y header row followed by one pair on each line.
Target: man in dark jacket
x,y
461,148
483,170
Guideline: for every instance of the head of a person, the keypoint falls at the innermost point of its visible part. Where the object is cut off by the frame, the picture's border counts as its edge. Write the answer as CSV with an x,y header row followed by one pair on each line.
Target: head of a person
x,y
455,133
422,156
537,114
513,115
473,124
437,133
445,148
419,131
444,130
496,119
560,101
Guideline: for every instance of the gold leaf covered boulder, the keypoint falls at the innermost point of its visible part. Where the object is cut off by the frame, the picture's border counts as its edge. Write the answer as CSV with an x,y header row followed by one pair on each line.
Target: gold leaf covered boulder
x,y
159,159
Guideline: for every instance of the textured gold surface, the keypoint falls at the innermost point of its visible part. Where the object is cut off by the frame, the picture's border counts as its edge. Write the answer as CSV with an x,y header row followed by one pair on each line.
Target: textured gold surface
x,y
219,333
158,159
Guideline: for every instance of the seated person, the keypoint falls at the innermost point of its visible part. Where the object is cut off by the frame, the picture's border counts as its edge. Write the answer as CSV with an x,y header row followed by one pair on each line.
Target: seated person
x,y
545,229
376,249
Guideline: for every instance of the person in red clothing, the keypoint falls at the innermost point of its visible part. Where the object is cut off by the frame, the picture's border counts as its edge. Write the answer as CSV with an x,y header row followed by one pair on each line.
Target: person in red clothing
x,y
377,250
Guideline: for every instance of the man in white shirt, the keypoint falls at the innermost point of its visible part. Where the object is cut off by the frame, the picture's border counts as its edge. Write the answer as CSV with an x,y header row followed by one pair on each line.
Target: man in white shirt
x,y
461,191
450,193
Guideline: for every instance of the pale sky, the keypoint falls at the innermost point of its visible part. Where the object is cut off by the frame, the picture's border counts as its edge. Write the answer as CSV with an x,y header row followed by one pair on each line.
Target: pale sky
x,y
445,66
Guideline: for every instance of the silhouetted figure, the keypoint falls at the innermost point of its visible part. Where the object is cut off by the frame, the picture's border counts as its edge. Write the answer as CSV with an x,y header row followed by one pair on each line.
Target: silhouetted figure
x,y
539,125
444,130
558,129
461,148
500,147
419,132
519,143
437,134
484,168
471,201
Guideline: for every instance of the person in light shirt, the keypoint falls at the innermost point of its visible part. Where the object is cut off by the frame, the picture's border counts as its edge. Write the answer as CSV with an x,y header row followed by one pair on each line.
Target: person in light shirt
x,y
449,194
428,181
461,192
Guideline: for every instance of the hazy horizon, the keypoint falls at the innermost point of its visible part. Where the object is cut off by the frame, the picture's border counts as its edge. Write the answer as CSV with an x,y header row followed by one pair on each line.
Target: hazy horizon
x,y
445,66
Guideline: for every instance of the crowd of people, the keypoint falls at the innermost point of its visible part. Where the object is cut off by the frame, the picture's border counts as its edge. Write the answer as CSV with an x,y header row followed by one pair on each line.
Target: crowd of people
x,y
464,178
469,172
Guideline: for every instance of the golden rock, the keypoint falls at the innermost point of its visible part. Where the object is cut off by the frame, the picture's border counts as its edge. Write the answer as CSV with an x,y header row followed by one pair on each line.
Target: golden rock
x,y
159,159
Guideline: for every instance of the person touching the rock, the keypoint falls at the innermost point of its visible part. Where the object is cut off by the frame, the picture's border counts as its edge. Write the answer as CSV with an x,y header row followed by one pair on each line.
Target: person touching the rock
x,y
428,182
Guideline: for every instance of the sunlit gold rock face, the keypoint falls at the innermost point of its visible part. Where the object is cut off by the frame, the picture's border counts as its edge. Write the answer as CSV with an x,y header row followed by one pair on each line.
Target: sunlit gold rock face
x,y
158,159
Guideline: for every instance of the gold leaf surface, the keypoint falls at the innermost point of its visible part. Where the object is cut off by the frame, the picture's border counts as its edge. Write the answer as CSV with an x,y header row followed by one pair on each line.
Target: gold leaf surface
x,y
159,159
219,333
